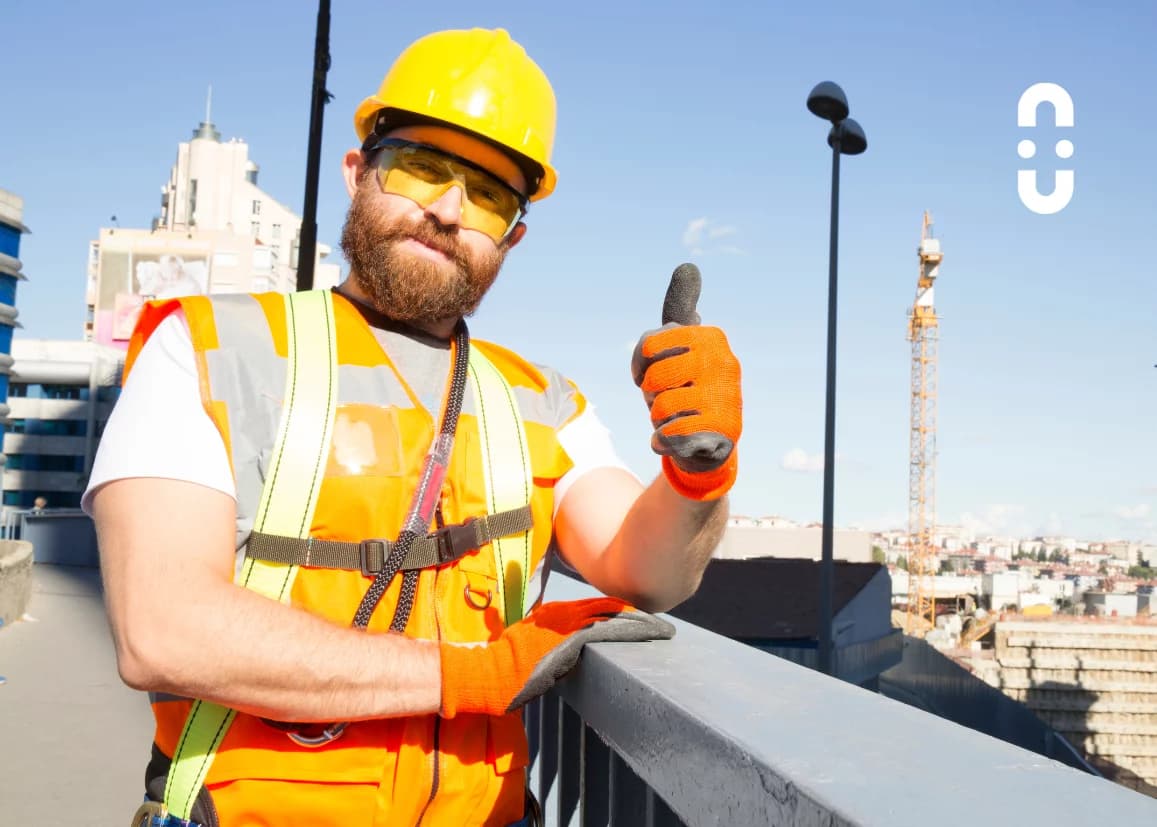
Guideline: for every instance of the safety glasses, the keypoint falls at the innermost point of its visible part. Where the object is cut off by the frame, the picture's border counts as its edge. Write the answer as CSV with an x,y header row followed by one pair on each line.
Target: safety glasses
x,y
423,174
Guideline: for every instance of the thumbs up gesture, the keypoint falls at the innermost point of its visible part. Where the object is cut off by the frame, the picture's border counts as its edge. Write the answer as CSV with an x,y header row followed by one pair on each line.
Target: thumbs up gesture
x,y
691,382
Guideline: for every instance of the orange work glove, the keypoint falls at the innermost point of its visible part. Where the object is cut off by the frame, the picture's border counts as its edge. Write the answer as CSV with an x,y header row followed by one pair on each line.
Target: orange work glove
x,y
532,654
691,381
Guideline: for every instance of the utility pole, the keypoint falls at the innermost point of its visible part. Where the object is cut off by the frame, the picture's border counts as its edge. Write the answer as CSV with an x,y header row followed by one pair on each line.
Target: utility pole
x,y
307,249
846,137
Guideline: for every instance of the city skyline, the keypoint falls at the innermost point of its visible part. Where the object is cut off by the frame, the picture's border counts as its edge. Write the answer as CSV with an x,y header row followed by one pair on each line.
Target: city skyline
x,y
1047,385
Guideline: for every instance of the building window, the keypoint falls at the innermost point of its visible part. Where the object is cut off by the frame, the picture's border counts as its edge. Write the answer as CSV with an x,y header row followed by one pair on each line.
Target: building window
x,y
64,392
44,462
18,389
277,231
257,208
48,427
256,227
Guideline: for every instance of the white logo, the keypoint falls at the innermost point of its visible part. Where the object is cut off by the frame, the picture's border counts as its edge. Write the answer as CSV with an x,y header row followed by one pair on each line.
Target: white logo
x,y
1026,185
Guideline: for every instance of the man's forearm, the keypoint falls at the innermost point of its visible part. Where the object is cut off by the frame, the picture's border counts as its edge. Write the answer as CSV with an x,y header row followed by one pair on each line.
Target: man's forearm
x,y
658,557
221,643
181,626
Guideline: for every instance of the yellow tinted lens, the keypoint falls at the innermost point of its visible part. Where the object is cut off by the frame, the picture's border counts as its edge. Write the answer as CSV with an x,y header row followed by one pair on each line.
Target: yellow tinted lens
x,y
424,175
484,221
490,194
400,182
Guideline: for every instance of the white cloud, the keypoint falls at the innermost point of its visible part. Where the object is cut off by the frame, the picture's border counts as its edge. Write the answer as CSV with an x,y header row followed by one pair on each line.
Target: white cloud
x,y
800,460
997,518
694,232
1132,512
702,235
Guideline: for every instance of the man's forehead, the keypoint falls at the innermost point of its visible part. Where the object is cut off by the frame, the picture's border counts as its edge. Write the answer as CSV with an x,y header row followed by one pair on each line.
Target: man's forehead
x,y
466,146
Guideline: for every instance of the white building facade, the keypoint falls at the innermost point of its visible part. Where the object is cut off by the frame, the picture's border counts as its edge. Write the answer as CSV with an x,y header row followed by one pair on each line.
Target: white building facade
x,y
217,232
60,395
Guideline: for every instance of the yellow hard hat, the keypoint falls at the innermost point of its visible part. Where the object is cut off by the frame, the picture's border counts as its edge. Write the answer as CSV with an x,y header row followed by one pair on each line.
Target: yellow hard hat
x,y
478,80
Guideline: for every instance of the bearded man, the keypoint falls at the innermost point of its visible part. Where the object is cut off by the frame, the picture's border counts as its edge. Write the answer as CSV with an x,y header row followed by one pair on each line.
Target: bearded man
x,y
334,597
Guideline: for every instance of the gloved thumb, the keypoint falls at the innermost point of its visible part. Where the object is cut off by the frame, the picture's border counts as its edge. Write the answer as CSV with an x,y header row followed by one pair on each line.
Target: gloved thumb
x,y
682,296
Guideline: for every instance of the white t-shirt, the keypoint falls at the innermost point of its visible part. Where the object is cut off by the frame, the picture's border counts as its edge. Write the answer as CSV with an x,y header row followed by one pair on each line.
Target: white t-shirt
x,y
160,405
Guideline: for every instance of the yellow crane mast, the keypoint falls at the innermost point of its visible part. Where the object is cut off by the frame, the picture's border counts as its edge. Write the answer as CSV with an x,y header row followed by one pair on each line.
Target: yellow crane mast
x,y
923,333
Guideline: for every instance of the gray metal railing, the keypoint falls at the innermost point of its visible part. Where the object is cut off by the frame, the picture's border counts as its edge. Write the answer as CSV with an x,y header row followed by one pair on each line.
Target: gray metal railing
x,y
701,730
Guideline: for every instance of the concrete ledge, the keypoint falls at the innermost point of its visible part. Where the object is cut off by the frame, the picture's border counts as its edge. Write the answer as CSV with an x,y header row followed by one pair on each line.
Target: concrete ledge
x,y
15,579
724,734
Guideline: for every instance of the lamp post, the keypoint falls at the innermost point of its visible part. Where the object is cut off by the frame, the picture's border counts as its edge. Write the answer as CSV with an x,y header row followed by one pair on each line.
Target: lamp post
x,y
846,137
307,249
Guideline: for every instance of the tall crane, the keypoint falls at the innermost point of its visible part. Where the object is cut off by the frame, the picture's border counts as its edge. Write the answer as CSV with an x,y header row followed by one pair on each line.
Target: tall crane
x,y
924,334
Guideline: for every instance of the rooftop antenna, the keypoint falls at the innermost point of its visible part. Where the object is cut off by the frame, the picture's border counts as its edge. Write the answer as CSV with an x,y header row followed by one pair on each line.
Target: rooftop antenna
x,y
207,129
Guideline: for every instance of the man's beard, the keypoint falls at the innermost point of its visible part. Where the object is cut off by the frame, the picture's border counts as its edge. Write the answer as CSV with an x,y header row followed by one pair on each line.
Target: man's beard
x,y
403,286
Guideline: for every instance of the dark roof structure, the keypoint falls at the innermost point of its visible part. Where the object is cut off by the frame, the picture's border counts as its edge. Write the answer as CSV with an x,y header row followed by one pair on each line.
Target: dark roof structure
x,y
768,598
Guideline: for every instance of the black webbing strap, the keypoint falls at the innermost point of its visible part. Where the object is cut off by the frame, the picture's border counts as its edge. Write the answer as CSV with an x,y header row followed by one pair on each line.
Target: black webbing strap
x,y
369,556
422,506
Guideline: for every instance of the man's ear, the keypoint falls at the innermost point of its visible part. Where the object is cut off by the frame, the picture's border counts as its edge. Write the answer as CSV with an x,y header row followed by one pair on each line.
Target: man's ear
x,y
515,236
352,165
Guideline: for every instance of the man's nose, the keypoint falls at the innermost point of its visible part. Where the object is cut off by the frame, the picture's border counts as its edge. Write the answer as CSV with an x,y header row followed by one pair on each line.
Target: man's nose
x,y
447,209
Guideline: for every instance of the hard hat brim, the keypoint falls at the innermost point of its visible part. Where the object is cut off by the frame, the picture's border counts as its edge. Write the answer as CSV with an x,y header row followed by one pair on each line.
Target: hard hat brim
x,y
373,120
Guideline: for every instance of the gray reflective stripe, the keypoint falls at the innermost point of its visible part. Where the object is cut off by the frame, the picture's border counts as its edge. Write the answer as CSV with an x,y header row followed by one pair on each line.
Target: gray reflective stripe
x,y
165,697
247,374
555,406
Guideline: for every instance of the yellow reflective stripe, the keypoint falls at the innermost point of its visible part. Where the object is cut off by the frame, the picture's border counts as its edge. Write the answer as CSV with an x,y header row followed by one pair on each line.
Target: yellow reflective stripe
x,y
507,472
287,503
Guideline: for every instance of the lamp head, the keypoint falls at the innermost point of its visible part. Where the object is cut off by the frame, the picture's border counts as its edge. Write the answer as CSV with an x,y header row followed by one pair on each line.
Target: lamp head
x,y
850,136
828,101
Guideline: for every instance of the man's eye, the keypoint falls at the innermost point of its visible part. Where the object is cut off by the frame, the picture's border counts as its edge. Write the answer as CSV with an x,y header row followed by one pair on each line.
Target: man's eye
x,y
488,195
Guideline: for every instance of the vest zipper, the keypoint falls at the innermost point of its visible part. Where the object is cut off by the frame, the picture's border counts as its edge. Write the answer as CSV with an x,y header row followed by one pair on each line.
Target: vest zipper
x,y
437,718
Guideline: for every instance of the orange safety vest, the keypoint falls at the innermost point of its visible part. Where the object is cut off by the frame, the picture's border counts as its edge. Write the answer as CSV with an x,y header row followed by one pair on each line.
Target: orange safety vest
x,y
467,770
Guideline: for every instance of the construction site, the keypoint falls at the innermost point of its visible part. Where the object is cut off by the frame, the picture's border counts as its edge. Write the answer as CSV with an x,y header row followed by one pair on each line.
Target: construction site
x,y
1084,667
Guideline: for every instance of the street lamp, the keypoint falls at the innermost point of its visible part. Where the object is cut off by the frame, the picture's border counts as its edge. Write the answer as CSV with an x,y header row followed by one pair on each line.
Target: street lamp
x,y
846,137
319,97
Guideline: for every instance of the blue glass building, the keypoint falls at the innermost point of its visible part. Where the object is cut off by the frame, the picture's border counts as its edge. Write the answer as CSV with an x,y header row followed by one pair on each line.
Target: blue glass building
x,y
11,228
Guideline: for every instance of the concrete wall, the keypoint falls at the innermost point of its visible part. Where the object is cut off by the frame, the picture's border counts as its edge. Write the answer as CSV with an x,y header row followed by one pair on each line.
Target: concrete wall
x,y
741,542
1095,683
63,538
15,580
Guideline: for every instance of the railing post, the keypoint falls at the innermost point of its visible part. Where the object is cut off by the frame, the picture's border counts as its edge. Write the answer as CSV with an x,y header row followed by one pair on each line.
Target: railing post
x,y
570,726
596,780
628,794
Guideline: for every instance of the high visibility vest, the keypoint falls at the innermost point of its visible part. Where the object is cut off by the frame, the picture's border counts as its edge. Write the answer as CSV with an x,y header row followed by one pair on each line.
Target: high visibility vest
x,y
353,410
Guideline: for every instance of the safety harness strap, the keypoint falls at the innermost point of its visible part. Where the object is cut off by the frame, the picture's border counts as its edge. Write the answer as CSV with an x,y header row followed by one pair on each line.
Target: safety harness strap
x,y
444,546
286,508
509,481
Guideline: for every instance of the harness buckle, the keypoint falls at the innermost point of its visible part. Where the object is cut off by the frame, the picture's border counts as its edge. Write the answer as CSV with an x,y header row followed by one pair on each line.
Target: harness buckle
x,y
154,814
453,541
330,733
372,556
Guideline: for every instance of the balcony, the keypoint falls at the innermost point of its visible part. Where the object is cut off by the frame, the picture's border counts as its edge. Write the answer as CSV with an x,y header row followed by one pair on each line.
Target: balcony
x,y
704,730
697,730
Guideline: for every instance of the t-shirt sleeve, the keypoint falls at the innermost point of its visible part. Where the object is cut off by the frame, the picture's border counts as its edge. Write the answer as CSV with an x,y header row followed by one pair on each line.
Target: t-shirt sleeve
x,y
159,427
584,437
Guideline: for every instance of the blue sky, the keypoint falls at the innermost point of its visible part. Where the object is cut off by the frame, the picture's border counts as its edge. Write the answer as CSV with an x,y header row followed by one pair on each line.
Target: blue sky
x,y
694,117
